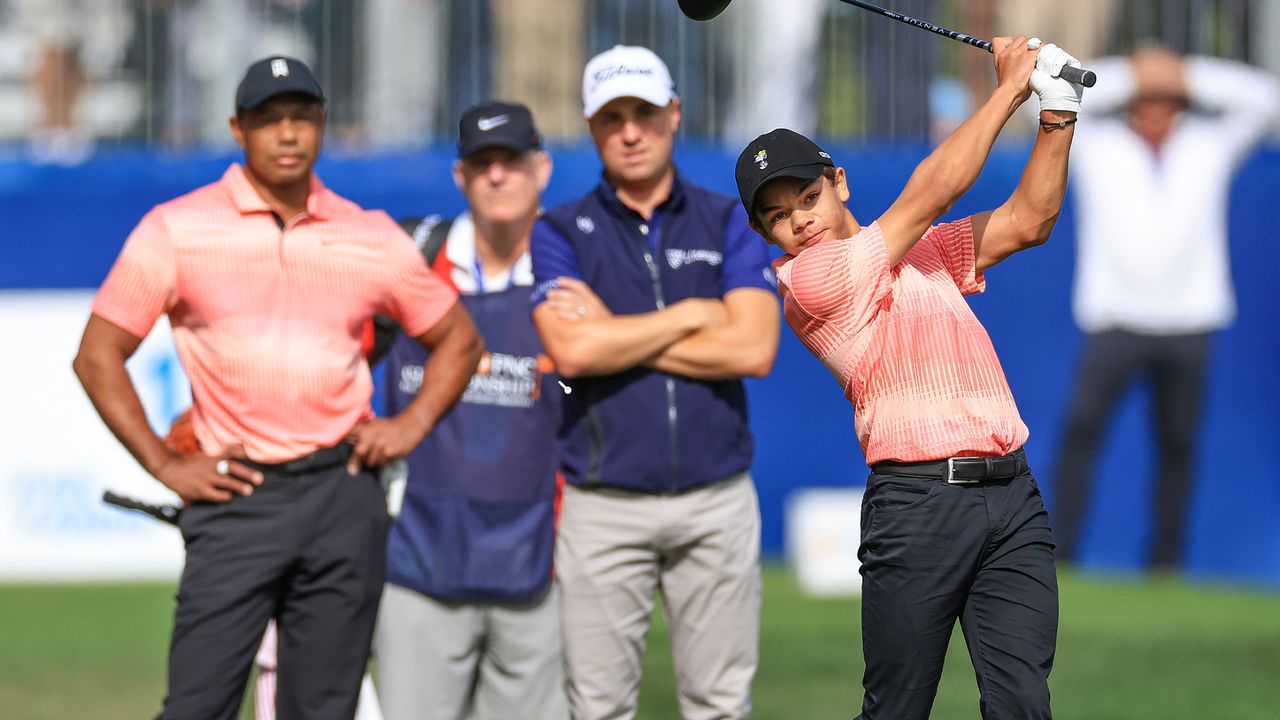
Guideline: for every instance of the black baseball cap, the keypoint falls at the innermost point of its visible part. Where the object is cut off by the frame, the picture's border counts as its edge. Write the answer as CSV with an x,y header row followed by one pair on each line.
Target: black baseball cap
x,y
497,124
273,76
777,154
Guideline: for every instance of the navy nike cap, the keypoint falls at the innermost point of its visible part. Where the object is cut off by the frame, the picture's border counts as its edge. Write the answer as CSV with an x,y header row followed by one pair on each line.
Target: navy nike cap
x,y
497,124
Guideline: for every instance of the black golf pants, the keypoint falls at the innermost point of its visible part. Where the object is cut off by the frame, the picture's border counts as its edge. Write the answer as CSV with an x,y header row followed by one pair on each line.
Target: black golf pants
x,y
933,553
306,548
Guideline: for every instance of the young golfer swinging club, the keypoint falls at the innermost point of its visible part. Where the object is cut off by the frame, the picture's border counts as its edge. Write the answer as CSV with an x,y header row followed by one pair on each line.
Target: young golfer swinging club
x,y
953,525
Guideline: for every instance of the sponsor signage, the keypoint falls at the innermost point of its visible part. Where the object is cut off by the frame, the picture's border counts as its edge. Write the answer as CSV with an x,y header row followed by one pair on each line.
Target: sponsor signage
x,y
59,457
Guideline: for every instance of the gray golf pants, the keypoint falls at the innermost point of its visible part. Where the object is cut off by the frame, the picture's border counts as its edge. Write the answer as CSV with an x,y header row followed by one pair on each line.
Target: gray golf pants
x,y
480,661
615,549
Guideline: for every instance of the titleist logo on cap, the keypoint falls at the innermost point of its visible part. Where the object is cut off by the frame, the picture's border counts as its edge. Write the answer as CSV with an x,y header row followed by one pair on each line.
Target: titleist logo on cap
x,y
609,73
625,71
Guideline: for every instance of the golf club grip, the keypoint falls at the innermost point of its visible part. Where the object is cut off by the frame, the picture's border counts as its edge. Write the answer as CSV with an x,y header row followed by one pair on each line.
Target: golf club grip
x,y
1079,76
1070,73
163,513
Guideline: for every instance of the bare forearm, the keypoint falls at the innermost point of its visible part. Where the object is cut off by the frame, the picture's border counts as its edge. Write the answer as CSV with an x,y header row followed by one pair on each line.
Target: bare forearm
x,y
112,393
100,366
1037,201
449,369
953,167
613,344
745,346
716,354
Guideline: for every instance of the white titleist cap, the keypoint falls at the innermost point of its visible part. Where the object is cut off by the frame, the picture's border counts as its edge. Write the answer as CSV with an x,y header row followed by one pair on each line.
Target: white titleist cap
x,y
625,71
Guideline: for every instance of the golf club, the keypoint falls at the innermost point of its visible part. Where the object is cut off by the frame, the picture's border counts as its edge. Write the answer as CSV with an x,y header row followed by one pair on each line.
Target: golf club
x,y
163,513
707,9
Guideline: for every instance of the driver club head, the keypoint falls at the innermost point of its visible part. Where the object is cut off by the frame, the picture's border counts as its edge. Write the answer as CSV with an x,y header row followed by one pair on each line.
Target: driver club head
x,y
703,9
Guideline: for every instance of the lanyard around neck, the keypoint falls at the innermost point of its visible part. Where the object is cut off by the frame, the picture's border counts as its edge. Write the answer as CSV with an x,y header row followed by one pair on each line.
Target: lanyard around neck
x,y
511,271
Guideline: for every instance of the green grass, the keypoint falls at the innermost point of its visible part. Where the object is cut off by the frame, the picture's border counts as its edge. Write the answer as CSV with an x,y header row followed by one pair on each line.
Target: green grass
x,y
1128,650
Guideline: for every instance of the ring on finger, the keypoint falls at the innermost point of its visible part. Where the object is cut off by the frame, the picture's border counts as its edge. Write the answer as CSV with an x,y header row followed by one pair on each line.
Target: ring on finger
x,y
223,467
582,311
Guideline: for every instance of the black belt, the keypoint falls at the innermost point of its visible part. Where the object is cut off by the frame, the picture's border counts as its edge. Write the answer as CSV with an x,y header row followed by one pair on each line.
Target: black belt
x,y
960,470
322,459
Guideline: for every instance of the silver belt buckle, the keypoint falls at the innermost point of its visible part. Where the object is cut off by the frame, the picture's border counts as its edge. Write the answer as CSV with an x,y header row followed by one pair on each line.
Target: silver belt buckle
x,y
951,478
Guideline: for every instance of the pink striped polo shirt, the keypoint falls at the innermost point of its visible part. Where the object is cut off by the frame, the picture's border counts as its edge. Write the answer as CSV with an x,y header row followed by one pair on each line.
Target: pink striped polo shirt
x,y
917,365
268,322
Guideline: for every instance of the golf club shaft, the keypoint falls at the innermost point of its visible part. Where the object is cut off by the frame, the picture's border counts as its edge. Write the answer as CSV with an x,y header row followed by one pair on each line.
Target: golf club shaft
x,y
1070,73
163,513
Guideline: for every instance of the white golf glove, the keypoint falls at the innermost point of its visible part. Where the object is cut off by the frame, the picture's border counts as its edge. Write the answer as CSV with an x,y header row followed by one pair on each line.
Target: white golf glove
x,y
1054,92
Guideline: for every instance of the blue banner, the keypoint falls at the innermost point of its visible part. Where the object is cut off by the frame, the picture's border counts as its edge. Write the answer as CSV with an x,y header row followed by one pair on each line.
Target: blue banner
x,y
63,227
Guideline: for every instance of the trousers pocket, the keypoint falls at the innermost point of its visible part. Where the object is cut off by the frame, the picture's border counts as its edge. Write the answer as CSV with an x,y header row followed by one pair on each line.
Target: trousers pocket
x,y
899,494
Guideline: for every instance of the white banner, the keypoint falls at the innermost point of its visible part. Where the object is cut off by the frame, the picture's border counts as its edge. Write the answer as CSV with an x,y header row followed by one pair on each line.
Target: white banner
x,y
824,529
59,457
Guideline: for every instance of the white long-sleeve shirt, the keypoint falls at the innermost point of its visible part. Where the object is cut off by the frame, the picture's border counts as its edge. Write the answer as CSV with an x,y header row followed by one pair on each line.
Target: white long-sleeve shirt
x,y
1152,229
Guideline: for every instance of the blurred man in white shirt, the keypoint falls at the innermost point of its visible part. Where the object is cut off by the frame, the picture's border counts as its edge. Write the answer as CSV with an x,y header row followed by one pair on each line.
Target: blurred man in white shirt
x,y
1152,279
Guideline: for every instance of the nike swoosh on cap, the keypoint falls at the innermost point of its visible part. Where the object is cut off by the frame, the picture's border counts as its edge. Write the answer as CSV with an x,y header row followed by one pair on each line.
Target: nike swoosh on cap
x,y
489,123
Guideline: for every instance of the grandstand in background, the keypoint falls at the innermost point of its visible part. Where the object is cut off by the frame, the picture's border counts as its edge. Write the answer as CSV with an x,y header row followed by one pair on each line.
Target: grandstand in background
x,y
149,123
162,72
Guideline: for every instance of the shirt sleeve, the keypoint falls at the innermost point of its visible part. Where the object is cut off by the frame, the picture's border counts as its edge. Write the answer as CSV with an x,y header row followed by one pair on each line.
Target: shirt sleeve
x,y
954,242
553,257
1115,87
142,284
842,281
746,257
1246,100
414,296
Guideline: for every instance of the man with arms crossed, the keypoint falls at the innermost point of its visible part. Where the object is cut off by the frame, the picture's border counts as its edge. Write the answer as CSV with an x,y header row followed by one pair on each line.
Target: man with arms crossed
x,y
269,279
470,622
654,299
953,525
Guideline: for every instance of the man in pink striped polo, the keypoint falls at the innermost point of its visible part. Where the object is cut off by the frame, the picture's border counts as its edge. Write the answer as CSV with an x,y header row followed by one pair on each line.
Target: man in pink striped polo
x,y
269,279
953,525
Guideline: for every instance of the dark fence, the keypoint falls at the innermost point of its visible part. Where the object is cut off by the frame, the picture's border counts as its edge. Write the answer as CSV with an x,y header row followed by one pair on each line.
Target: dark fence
x,y
75,75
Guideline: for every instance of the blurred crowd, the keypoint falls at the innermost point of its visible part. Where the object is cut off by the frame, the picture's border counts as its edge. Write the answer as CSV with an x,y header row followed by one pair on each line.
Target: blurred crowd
x,y
76,74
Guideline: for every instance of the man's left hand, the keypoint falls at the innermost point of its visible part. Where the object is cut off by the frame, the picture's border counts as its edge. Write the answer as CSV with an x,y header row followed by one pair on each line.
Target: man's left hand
x,y
574,300
1054,92
381,440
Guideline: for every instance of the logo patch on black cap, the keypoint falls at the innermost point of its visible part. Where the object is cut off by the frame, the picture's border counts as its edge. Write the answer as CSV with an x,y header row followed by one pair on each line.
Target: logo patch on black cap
x,y
272,76
780,153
